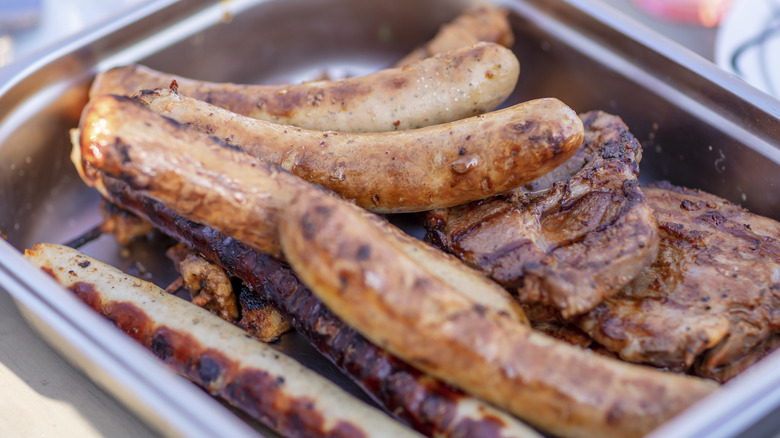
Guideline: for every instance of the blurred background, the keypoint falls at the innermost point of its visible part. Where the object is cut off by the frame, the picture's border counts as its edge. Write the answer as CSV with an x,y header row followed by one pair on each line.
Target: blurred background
x,y
741,36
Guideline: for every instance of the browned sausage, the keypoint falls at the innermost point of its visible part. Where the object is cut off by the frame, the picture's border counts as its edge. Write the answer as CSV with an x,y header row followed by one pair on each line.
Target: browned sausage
x,y
403,171
460,83
214,184
397,303
481,23
251,375
426,404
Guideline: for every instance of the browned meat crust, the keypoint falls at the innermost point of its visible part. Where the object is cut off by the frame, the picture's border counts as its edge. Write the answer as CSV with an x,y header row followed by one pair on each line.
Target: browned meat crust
x,y
397,303
422,402
259,316
712,294
571,244
549,321
213,289
208,284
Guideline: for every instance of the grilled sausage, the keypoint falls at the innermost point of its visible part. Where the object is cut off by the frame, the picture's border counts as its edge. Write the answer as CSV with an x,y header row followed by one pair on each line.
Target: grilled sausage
x,y
481,23
214,184
426,404
396,303
405,171
461,83
251,375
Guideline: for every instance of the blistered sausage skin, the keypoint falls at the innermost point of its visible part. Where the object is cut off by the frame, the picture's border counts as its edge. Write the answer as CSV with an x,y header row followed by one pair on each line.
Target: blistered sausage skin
x,y
251,375
460,83
214,184
426,404
394,302
403,171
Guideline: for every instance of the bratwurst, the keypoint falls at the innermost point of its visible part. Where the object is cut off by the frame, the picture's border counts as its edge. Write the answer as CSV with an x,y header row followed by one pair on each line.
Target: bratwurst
x,y
396,303
271,387
405,171
214,184
460,83
483,22
428,405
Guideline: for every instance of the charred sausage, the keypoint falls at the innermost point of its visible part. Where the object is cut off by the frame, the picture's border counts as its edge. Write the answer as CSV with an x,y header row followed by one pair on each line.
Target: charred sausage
x,y
426,404
251,375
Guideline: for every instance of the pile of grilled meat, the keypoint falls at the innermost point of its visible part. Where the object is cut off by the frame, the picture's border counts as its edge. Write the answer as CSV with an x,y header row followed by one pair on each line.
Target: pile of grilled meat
x,y
551,284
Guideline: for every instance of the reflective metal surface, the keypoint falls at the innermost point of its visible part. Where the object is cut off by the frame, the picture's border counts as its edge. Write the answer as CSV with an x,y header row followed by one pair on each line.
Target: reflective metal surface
x,y
700,127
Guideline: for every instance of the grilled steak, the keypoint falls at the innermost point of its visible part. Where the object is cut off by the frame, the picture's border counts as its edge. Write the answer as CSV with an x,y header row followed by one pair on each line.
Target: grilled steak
x,y
569,243
710,299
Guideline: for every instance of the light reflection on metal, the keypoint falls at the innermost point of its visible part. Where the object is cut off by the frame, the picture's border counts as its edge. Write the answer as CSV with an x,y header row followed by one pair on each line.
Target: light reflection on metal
x,y
6,50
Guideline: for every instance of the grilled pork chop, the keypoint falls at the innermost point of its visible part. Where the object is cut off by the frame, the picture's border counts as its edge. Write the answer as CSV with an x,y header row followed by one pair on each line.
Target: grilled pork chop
x,y
569,240
711,299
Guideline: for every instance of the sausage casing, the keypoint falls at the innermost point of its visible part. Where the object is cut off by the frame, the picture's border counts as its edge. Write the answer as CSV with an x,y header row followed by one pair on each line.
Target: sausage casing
x,y
402,171
450,86
428,405
213,184
397,304
251,375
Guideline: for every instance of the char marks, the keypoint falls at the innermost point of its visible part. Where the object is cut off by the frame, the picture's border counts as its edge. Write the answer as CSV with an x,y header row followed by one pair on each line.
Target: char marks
x,y
570,239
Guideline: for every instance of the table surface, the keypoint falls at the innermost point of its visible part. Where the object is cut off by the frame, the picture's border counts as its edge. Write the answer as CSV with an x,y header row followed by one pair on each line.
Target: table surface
x,y
42,394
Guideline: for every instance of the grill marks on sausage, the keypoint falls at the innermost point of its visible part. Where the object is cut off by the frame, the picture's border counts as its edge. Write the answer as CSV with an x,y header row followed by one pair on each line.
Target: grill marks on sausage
x,y
255,391
421,169
422,402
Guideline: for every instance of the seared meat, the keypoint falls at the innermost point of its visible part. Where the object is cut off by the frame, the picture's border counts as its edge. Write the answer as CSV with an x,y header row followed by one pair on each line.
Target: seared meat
x,y
549,321
712,294
259,316
212,288
208,284
568,244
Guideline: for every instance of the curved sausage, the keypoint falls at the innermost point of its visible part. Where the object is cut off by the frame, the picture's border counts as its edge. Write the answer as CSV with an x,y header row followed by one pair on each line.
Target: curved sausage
x,y
214,184
251,375
428,405
481,23
450,86
403,171
397,303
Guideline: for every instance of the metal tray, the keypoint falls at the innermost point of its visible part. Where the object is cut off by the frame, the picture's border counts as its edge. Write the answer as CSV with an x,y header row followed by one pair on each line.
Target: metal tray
x,y
700,127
